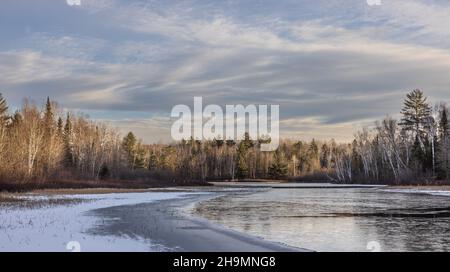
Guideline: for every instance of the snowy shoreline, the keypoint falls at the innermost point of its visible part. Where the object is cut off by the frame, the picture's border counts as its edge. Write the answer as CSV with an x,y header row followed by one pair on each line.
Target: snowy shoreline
x,y
57,227
418,191
128,221
144,221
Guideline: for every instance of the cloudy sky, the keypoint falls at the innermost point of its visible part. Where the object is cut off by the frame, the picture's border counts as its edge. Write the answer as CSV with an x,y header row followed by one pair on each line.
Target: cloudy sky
x,y
332,66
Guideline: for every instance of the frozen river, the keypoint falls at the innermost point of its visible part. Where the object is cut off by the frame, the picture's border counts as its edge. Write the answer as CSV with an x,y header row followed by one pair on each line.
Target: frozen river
x,y
338,219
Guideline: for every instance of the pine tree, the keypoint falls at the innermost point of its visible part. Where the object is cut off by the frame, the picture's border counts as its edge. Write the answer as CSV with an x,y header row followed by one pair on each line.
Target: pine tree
x,y
67,141
129,145
242,167
48,115
242,164
49,129
416,112
324,156
104,172
278,169
141,154
416,118
356,158
247,142
313,158
49,122
153,162
60,128
444,143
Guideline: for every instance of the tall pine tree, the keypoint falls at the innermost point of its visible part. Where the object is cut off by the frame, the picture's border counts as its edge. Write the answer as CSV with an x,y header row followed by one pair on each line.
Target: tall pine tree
x,y
60,128
416,112
242,164
67,140
49,129
415,120
135,152
444,140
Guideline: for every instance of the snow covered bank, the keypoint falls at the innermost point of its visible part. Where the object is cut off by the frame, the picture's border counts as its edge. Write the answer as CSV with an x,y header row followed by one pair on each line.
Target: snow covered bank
x,y
419,191
64,227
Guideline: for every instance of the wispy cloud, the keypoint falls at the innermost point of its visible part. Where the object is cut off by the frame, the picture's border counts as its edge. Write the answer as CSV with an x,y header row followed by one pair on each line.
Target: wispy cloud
x,y
331,66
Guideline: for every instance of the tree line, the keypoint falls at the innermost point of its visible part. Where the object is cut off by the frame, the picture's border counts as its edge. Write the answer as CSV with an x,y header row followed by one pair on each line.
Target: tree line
x,y
43,144
414,149
40,144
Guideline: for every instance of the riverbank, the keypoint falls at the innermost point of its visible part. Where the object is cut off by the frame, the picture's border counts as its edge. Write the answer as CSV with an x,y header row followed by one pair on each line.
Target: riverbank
x,y
97,188
30,186
423,187
150,220
224,218
105,186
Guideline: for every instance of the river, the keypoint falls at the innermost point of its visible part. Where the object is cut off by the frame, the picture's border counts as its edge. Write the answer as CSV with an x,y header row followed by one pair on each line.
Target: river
x,y
336,219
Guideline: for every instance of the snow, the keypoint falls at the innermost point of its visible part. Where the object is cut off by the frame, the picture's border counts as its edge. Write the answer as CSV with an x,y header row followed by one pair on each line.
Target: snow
x,y
419,191
64,227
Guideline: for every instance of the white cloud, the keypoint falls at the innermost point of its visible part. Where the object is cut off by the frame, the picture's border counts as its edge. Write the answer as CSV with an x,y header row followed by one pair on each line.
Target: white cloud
x,y
326,74
66,45
428,18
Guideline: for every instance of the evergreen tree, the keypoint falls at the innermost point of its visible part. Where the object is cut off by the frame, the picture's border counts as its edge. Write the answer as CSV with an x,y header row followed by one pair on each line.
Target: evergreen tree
x,y
141,155
49,123
242,167
313,158
278,169
129,145
242,163
67,141
48,116
49,128
104,172
419,155
416,118
356,158
324,156
444,128
416,112
153,162
247,142
444,143
60,128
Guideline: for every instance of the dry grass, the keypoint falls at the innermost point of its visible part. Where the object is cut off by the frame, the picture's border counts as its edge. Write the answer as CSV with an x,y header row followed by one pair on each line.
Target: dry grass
x,y
29,186
8,198
87,191
251,180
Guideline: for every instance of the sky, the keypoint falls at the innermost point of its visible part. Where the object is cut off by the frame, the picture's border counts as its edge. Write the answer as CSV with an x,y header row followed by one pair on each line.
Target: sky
x,y
332,66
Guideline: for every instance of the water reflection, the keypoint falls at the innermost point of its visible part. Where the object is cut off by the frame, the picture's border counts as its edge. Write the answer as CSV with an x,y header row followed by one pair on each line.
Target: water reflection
x,y
337,219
